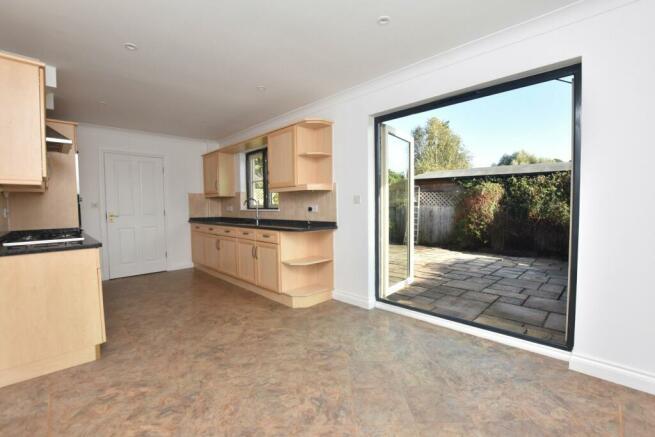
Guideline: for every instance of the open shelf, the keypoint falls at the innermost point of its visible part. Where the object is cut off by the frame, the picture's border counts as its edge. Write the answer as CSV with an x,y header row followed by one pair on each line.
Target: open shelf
x,y
308,261
308,290
315,155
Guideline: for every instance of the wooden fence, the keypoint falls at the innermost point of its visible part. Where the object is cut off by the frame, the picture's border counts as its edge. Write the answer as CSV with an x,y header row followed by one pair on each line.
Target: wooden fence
x,y
436,219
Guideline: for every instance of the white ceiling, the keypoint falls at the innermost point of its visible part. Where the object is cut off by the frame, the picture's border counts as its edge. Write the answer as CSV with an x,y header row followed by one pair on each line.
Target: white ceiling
x,y
199,61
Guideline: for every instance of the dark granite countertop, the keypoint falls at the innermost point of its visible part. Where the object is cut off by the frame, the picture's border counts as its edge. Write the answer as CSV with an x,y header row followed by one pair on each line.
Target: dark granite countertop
x,y
88,243
275,225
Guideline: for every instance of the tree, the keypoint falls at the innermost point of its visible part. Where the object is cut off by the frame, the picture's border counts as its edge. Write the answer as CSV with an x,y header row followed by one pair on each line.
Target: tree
x,y
523,157
437,147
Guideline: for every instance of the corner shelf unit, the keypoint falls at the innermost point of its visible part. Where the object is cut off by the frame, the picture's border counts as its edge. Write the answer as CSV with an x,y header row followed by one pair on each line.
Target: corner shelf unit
x,y
307,267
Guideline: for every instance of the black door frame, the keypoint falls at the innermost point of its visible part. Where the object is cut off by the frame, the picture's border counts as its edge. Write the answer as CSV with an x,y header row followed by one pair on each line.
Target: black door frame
x,y
572,70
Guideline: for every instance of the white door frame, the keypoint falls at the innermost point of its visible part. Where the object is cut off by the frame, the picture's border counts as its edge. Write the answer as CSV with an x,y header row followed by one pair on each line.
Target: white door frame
x,y
102,187
385,289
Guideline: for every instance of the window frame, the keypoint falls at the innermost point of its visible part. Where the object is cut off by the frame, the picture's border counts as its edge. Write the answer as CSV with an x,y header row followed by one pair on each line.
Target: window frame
x,y
508,84
267,194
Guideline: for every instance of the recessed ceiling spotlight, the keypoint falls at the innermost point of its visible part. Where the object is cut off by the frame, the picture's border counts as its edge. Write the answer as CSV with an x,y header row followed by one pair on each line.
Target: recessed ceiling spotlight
x,y
261,88
383,20
130,46
102,102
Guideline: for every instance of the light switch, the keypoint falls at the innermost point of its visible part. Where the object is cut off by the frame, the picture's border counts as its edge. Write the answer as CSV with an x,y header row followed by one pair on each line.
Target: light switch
x,y
357,199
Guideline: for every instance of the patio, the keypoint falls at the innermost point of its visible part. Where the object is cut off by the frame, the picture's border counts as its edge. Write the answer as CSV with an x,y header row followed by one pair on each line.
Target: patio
x,y
519,294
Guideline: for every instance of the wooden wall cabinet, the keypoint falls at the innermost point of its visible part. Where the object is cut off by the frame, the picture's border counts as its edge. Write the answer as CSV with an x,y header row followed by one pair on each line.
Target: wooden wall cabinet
x,y
293,268
218,174
22,123
300,157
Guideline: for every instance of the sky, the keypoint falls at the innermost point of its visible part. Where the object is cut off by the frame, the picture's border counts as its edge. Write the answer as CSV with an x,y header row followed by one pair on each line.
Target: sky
x,y
537,118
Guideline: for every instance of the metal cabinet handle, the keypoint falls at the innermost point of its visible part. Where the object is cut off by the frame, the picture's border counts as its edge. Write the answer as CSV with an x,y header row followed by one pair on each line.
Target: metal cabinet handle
x,y
266,236
256,255
227,231
252,251
218,244
211,229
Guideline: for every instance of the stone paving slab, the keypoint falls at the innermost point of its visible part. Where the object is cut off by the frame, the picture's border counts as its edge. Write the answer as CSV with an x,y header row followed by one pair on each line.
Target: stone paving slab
x,y
517,313
517,294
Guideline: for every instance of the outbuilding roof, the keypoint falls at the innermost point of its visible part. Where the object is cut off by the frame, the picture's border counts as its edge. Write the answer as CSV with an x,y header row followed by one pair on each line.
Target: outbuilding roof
x,y
496,170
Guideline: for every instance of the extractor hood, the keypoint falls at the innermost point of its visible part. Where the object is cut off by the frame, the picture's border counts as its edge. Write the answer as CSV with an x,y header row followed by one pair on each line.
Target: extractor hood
x,y
56,142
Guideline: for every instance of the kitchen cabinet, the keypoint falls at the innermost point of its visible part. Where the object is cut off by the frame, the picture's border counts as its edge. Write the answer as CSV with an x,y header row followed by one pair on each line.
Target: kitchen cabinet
x,y
268,269
22,123
300,157
218,174
211,252
227,259
51,312
247,265
293,268
198,248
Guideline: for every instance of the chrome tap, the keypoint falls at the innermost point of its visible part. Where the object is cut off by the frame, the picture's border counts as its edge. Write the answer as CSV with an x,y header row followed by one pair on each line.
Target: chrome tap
x,y
246,203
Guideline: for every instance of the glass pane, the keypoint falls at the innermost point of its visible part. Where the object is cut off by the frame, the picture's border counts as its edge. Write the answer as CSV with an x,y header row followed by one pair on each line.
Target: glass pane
x,y
258,193
492,211
399,185
275,200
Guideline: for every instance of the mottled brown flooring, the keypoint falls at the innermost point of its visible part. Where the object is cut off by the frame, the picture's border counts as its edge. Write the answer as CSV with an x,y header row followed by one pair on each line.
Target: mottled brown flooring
x,y
190,355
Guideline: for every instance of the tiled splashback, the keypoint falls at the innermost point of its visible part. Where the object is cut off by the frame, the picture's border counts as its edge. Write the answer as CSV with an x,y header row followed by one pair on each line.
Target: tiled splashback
x,y
293,206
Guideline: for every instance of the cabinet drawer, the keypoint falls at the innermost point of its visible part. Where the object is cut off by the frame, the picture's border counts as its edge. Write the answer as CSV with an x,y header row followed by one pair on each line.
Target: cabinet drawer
x,y
246,234
210,229
268,236
228,232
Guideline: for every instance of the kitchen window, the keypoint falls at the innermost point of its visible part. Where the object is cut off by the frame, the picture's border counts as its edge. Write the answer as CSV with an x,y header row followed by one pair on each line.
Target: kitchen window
x,y
257,182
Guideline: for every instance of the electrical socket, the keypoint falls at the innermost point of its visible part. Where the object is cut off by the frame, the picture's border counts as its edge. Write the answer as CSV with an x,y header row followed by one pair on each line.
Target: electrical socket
x,y
312,208
229,208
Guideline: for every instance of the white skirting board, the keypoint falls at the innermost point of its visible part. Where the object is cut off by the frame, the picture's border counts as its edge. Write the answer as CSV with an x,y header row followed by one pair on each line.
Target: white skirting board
x,y
172,267
353,299
613,372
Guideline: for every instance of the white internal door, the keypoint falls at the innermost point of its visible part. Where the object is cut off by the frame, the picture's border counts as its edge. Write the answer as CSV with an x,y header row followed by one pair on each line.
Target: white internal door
x,y
134,190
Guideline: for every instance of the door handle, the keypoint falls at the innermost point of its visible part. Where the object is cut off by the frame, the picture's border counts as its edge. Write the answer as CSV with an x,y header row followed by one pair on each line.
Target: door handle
x,y
111,217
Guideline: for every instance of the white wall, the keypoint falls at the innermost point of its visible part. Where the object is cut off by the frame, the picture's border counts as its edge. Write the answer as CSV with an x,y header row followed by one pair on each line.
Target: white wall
x,y
614,39
182,175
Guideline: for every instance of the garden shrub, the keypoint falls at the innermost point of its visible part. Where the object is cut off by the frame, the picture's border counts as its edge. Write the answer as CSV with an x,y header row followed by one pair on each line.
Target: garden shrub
x,y
476,213
532,214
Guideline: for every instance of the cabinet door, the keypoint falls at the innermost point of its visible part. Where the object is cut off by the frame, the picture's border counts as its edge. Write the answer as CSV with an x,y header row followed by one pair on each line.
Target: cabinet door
x,y
268,267
22,123
246,259
197,248
228,256
282,158
210,173
212,252
226,179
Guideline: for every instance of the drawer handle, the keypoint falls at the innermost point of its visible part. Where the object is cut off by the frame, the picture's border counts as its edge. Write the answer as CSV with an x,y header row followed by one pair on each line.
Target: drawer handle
x,y
197,227
266,236
246,233
227,231
211,229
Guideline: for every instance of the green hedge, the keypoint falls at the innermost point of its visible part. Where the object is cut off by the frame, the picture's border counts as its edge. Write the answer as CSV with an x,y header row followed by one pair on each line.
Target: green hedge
x,y
515,214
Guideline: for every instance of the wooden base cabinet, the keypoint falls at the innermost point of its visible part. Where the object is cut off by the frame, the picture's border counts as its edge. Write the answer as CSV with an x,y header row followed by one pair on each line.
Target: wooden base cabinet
x,y
268,266
293,268
51,312
247,261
